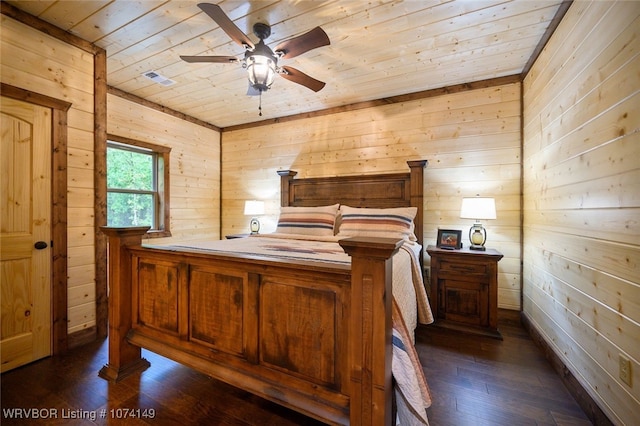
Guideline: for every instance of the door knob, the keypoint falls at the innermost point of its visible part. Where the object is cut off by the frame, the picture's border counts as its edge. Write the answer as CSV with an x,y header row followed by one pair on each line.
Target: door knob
x,y
40,245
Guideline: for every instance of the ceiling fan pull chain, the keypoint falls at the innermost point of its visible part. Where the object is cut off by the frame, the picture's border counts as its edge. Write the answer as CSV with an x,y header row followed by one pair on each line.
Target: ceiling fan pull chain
x,y
260,105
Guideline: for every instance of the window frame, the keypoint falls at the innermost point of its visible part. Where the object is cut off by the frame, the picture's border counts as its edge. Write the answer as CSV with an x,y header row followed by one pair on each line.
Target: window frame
x,y
161,178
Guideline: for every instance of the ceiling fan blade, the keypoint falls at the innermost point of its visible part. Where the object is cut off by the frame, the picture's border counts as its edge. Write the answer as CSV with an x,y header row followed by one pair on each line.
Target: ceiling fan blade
x,y
216,13
217,59
299,77
303,43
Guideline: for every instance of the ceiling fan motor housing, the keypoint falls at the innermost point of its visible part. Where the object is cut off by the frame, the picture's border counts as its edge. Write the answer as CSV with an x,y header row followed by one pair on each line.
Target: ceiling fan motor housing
x,y
262,31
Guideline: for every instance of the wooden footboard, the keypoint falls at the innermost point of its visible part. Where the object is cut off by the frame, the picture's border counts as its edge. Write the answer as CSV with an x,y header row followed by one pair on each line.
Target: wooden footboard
x,y
310,336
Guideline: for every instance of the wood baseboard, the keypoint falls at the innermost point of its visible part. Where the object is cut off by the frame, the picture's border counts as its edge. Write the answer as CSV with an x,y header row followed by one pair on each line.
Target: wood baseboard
x,y
82,337
582,397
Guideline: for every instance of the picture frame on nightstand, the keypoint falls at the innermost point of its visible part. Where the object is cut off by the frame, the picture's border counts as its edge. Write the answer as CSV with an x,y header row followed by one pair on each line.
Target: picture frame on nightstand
x,y
449,239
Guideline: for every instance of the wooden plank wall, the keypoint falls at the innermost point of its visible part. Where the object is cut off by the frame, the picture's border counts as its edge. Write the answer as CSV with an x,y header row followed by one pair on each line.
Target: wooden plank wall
x,y
49,66
581,173
194,164
39,63
471,139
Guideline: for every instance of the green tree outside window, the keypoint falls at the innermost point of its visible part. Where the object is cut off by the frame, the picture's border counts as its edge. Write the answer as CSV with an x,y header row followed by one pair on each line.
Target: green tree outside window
x,y
131,186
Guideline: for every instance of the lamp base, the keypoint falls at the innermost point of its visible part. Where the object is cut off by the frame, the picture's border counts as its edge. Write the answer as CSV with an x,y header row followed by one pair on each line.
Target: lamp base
x,y
254,225
477,237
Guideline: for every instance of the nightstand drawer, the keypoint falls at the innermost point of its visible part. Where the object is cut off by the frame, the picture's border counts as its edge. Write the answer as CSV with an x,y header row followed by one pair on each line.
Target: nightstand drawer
x,y
463,268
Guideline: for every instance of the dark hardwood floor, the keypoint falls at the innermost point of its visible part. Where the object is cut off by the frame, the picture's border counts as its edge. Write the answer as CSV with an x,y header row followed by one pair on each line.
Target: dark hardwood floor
x,y
478,381
474,381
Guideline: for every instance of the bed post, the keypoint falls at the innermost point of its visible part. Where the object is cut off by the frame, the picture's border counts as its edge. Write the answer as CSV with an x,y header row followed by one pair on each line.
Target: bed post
x,y
286,176
370,328
124,358
417,195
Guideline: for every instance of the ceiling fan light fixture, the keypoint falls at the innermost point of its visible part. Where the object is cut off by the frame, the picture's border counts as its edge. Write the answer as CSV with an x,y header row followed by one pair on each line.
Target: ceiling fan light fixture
x,y
261,70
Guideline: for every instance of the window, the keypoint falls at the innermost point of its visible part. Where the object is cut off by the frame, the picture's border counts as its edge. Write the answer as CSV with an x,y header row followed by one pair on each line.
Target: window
x,y
138,185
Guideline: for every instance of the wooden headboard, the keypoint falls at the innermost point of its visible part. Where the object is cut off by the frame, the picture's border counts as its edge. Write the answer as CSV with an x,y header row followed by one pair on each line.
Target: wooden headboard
x,y
373,191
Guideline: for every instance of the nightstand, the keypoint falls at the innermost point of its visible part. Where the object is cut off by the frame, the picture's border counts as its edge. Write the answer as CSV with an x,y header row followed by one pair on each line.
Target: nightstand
x,y
464,289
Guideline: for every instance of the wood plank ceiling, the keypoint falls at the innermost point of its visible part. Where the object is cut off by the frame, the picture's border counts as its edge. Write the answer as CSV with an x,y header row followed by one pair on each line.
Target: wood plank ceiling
x,y
378,49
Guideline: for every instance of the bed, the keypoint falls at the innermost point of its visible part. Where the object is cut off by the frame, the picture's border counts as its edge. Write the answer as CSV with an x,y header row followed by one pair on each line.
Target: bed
x,y
316,333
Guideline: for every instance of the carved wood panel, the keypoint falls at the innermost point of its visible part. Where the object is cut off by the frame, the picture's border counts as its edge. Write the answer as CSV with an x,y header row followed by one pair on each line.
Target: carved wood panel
x,y
158,294
216,301
299,329
352,191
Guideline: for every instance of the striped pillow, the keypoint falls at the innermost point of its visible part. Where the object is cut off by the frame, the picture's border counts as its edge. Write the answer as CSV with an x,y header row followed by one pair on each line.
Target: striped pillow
x,y
387,223
317,221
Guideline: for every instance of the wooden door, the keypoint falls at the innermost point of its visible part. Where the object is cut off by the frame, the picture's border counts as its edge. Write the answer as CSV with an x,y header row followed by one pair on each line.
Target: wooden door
x,y
25,233
464,287
465,301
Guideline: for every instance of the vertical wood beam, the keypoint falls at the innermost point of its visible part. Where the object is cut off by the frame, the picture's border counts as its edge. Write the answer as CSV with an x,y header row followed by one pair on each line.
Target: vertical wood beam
x,y
59,264
370,329
124,358
417,196
100,187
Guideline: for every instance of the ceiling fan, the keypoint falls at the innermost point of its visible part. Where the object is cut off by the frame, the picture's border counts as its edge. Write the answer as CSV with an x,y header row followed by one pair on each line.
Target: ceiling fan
x,y
259,60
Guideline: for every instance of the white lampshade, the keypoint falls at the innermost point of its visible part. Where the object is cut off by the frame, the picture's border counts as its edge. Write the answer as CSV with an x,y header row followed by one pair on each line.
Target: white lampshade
x,y
478,208
253,207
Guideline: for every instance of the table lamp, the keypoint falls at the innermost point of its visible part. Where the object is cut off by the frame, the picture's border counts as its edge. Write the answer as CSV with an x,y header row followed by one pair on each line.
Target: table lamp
x,y
254,208
478,208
